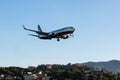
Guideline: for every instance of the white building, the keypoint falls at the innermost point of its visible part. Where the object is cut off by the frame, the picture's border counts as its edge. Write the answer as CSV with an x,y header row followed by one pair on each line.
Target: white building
x,y
30,77
46,78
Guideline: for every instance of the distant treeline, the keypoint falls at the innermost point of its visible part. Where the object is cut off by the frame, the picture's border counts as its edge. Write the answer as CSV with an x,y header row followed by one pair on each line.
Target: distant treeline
x,y
61,72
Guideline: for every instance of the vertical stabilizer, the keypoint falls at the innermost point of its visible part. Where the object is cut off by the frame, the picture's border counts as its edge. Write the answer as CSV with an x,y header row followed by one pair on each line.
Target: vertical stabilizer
x,y
39,29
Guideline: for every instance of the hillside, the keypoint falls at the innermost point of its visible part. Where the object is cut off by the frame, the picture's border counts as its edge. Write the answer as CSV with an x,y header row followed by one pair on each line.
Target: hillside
x,y
111,66
56,72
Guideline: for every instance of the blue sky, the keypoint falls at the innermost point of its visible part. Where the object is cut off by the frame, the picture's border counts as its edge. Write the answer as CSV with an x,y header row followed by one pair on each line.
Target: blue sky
x,y
97,35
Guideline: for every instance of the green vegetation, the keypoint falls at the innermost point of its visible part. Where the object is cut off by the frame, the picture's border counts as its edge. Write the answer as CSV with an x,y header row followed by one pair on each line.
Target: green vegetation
x,y
61,72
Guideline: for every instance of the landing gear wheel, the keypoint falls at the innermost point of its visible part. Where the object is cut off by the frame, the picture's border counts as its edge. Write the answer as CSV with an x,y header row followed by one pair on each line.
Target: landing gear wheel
x,y
72,35
58,39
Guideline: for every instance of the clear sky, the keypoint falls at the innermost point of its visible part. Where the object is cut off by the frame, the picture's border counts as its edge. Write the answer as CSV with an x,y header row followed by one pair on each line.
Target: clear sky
x,y
97,35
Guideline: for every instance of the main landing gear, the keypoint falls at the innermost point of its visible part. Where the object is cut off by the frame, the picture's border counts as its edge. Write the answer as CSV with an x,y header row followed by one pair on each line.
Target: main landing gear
x,y
58,39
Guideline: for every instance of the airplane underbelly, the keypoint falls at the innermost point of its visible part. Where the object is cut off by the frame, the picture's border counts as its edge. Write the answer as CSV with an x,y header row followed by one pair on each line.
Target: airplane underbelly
x,y
62,33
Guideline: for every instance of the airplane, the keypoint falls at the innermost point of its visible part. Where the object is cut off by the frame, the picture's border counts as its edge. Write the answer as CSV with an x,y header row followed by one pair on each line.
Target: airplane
x,y
63,33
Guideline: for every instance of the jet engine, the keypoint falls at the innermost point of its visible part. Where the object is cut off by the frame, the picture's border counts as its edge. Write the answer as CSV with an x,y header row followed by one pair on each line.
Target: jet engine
x,y
65,36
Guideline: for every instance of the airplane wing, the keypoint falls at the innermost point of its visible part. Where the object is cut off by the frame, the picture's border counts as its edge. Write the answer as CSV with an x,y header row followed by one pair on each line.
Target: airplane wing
x,y
38,32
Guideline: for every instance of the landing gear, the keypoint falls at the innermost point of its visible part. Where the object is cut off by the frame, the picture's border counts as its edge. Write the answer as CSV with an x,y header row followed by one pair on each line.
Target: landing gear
x,y
58,39
72,35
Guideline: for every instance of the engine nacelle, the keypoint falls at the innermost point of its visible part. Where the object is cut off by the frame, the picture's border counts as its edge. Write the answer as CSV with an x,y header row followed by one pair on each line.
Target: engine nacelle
x,y
65,36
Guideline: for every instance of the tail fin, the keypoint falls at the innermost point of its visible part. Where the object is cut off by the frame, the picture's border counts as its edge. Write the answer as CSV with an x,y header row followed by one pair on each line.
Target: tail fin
x,y
39,29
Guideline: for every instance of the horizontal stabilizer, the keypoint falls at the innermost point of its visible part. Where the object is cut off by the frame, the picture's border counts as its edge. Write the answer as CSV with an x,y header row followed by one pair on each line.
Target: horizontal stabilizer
x,y
38,32
33,35
29,29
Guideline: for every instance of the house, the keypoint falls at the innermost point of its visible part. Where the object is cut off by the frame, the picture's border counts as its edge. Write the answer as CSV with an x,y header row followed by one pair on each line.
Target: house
x,y
9,77
30,77
46,77
2,76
